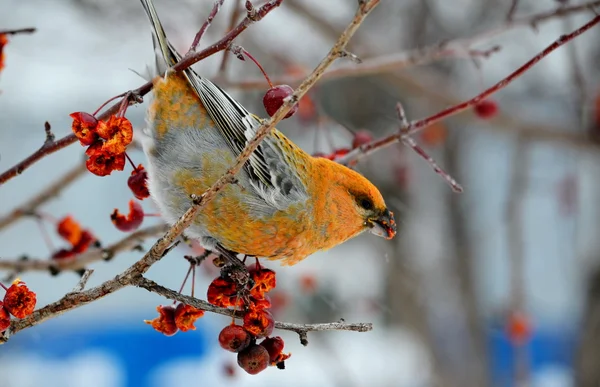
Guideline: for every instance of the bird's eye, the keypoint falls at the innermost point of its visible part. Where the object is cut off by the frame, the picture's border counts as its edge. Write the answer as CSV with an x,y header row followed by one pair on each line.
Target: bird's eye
x,y
366,203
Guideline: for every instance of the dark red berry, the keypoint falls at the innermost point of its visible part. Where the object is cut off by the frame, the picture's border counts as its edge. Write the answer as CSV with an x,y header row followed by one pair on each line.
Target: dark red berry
x,y
486,109
253,359
361,137
274,97
273,345
138,183
234,338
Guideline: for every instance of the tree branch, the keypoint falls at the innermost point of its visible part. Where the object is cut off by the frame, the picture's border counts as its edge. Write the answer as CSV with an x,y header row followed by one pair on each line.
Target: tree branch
x,y
415,126
80,261
448,49
53,190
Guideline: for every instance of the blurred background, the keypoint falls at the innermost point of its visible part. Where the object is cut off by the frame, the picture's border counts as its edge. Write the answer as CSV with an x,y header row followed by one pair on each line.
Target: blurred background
x,y
498,286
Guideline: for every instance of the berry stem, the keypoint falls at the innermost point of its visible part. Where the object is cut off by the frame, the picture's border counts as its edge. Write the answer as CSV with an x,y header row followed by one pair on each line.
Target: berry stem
x,y
106,103
184,281
193,279
45,235
131,161
3,287
262,70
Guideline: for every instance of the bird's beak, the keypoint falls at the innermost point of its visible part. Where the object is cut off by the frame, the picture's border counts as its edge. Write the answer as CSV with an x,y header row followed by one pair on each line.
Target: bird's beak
x,y
384,225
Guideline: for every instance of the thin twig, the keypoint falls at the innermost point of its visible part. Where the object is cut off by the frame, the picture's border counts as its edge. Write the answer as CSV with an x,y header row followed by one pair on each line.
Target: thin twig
x,y
49,135
448,49
512,10
206,24
53,190
416,126
28,30
83,281
235,14
80,261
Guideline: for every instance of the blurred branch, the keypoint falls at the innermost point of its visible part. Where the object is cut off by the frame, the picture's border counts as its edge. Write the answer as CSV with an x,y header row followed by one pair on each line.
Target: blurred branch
x,y
416,126
587,371
448,49
235,14
28,30
80,261
134,274
83,280
432,88
135,95
519,182
53,190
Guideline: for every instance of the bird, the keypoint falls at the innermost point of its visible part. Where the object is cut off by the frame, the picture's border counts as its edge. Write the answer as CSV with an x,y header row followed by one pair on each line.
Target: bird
x,y
285,204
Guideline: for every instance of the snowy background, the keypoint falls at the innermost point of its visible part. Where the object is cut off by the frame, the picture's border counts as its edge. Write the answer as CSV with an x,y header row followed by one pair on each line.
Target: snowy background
x,y
439,295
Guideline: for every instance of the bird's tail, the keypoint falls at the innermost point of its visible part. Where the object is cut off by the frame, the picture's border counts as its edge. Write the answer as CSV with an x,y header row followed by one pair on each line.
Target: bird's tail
x,y
165,54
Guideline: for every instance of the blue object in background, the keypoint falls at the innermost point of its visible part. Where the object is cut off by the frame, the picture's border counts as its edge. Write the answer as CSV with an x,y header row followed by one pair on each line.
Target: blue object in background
x,y
548,350
136,349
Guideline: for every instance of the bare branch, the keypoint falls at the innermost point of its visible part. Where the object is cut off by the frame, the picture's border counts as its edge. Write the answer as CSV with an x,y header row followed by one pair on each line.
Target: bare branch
x,y
83,280
28,30
53,190
449,49
80,261
416,126
206,24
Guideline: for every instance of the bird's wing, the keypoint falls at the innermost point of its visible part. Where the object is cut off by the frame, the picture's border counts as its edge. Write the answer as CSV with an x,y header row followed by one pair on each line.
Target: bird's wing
x,y
272,175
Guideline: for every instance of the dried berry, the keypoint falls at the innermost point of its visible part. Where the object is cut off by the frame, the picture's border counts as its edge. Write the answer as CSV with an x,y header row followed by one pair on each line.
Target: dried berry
x,y
274,98
4,318
19,300
253,359
222,292
85,127
132,221
486,109
138,183
264,281
102,163
274,345
69,230
118,133
259,322
361,137
186,316
165,322
234,338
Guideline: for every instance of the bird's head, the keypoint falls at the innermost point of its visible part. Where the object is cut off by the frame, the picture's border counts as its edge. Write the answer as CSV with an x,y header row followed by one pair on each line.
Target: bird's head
x,y
355,204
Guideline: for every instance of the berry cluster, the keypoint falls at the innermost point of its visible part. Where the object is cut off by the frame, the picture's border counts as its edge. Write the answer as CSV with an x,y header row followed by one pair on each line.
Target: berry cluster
x,y
18,301
106,141
258,321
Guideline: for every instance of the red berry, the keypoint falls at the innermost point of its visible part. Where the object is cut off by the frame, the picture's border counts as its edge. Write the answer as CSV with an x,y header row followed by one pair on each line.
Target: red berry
x,y
138,183
273,345
486,109
361,137
274,97
253,359
259,322
234,338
